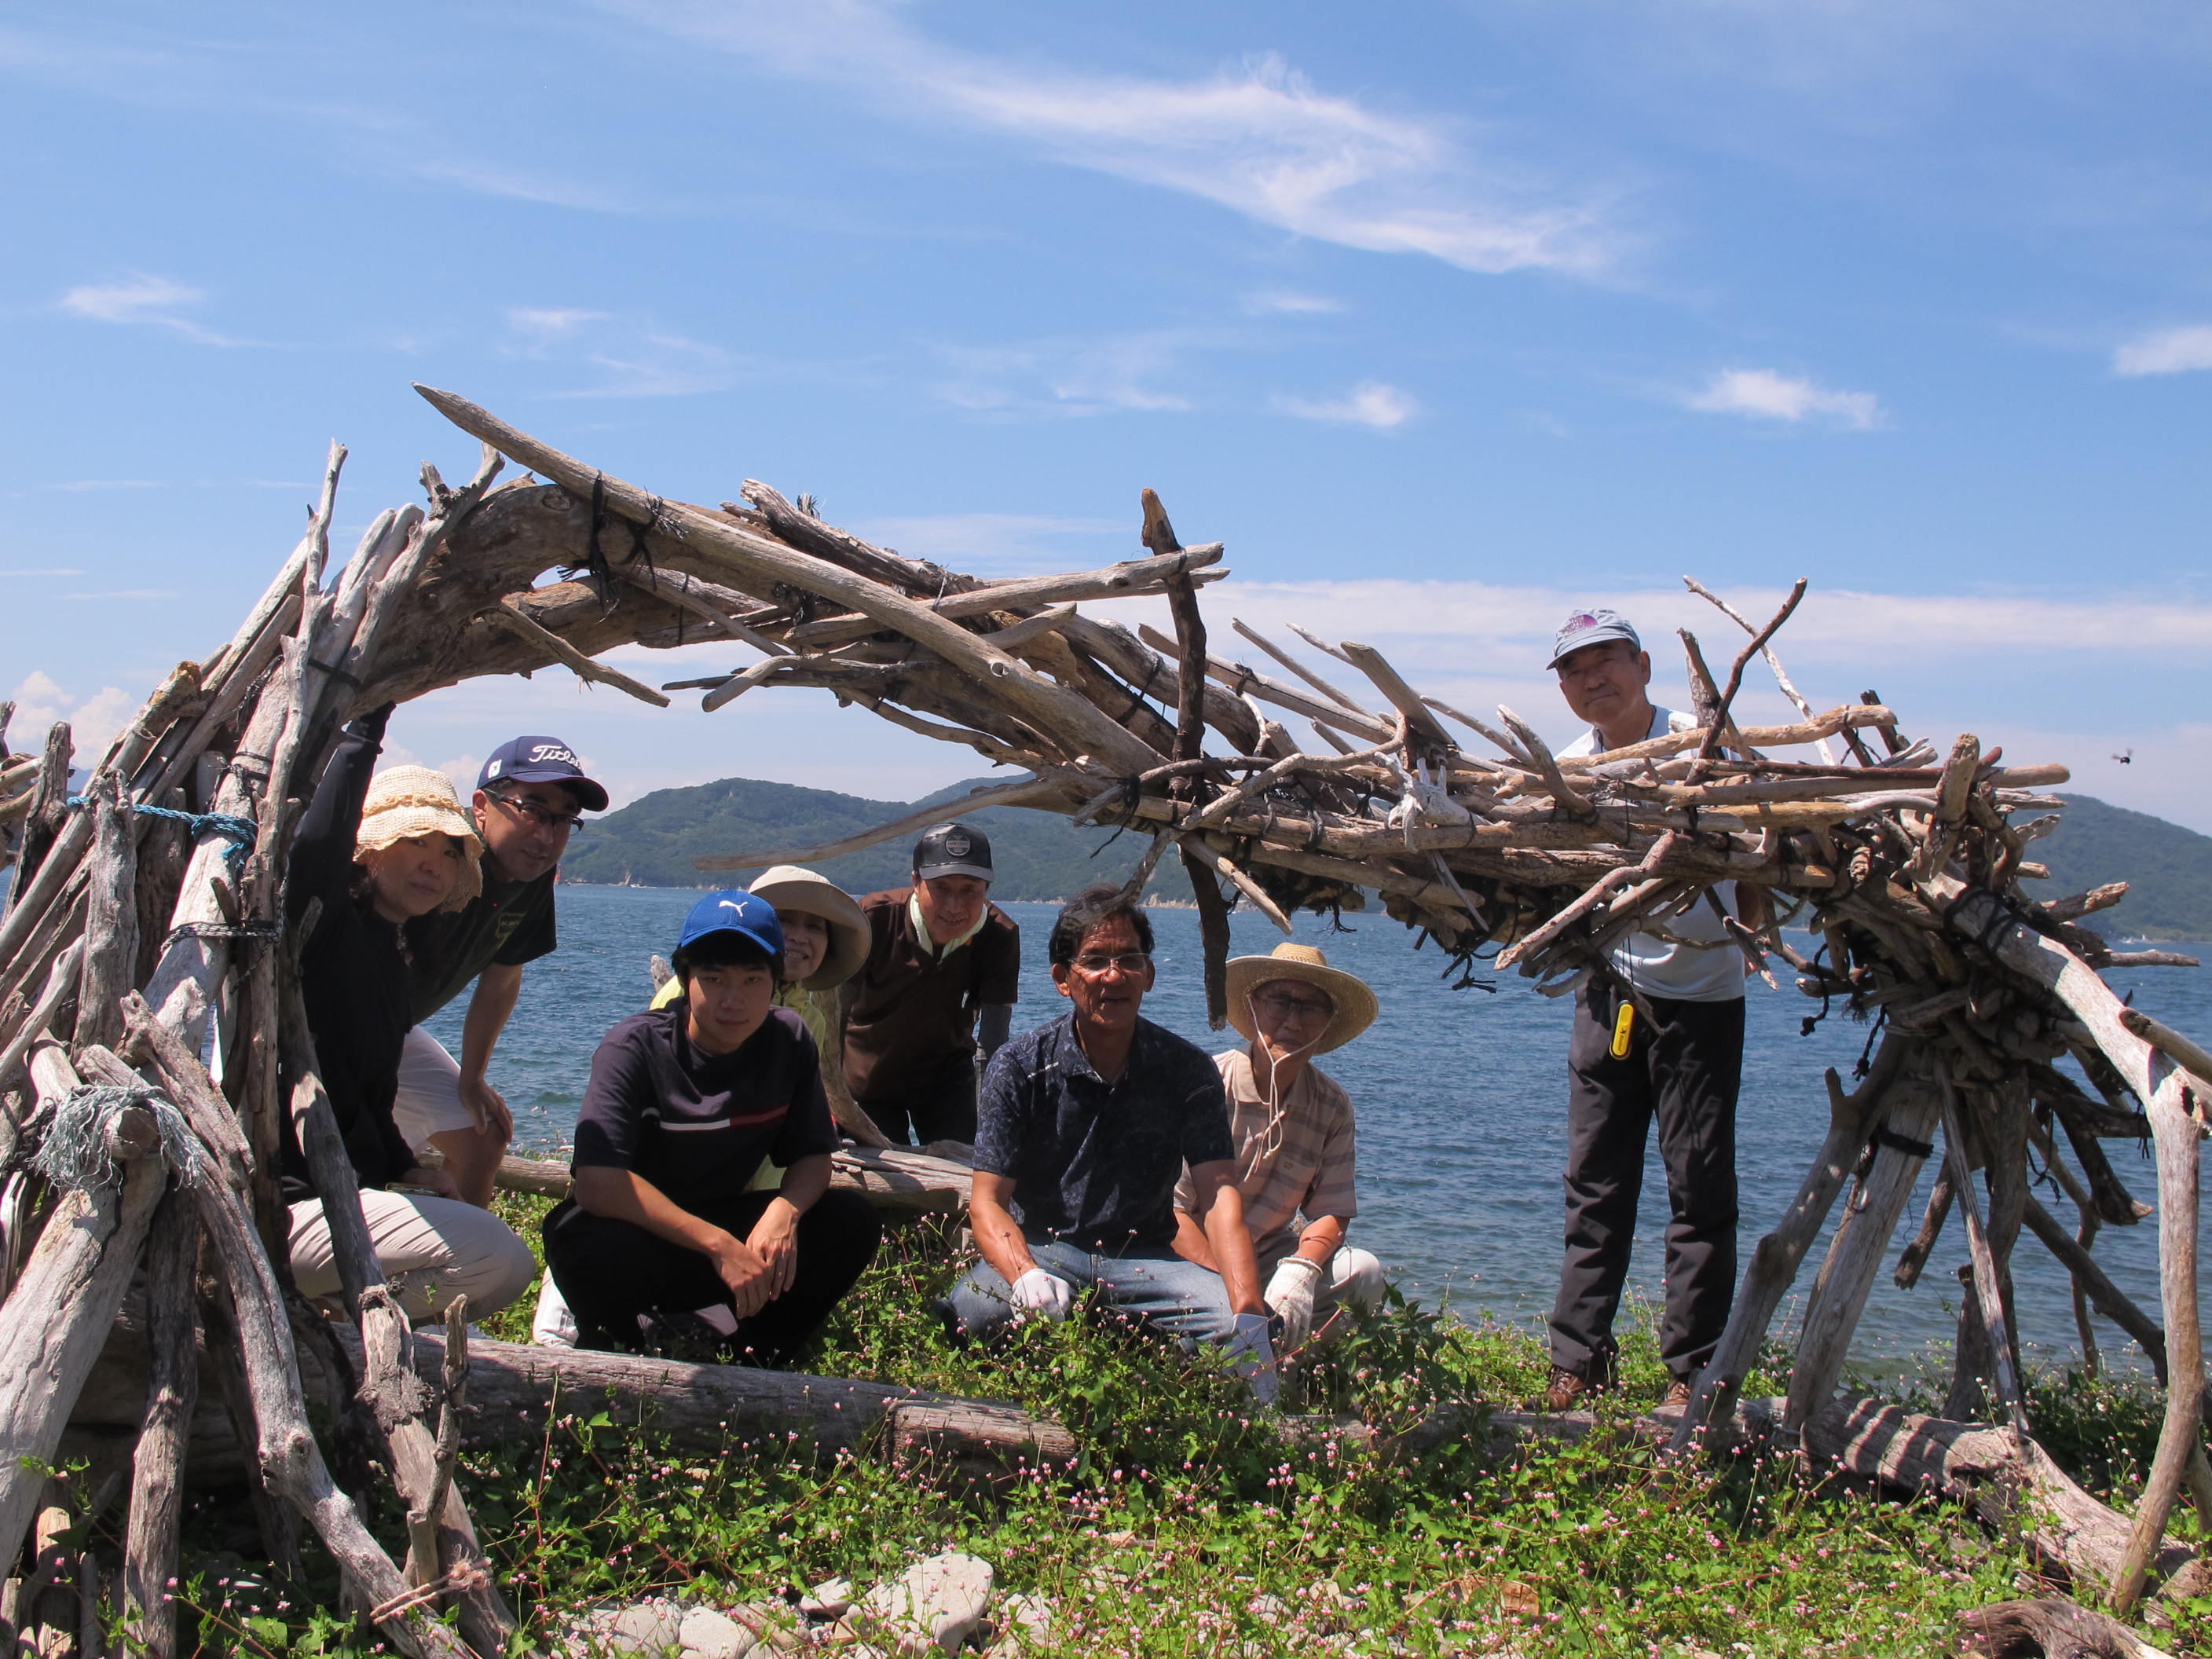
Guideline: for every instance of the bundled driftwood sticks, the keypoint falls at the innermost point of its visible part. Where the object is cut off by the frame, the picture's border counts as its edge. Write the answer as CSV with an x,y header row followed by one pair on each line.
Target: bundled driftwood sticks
x,y
147,1012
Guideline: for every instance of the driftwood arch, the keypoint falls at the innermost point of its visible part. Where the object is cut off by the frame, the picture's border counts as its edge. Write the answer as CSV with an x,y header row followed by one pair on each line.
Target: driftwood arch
x,y
142,939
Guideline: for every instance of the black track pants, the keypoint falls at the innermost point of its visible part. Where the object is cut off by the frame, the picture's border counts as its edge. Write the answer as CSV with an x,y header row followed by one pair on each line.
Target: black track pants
x,y
1684,1068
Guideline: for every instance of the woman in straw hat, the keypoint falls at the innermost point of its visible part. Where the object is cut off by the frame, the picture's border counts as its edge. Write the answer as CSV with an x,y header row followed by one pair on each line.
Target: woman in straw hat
x,y
1292,1127
373,853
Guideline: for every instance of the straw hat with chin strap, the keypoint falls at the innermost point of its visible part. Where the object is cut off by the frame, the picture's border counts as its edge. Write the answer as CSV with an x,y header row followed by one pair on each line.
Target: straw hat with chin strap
x,y
406,801
1356,1006
788,887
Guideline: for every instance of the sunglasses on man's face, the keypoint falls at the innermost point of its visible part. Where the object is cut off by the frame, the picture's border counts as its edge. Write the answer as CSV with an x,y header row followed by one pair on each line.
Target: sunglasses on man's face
x,y
534,812
1297,1007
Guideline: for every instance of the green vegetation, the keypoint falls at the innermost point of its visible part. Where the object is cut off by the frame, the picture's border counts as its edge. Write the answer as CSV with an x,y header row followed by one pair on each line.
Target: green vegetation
x,y
652,841
1198,1527
2168,869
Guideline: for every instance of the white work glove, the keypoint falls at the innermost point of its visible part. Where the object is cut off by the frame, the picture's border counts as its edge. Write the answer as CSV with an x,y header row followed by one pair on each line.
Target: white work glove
x,y
1252,1356
1291,1291
1040,1295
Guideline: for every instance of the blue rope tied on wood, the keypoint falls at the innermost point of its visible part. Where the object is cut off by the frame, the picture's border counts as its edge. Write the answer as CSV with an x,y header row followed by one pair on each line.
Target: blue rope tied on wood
x,y
241,833
74,1156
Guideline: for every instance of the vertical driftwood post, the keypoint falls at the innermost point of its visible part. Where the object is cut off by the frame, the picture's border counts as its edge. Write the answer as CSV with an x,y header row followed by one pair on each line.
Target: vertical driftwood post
x,y
150,1559
1986,1279
1775,1258
2174,1129
111,920
1901,1145
1189,742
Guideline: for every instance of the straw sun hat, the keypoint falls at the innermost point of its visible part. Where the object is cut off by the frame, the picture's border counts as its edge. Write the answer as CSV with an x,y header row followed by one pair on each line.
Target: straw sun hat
x,y
1355,1004
788,887
404,801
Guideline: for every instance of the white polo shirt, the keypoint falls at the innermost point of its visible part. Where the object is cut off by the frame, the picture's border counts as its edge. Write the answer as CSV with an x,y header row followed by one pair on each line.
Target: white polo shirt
x,y
1711,970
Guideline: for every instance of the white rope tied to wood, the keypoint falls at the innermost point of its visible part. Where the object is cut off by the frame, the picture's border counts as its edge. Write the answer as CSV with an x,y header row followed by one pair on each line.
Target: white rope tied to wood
x,y
74,1156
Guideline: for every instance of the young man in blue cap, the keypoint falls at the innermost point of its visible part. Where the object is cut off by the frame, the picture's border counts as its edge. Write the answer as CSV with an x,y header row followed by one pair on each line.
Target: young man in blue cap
x,y
683,1104
529,796
1679,1060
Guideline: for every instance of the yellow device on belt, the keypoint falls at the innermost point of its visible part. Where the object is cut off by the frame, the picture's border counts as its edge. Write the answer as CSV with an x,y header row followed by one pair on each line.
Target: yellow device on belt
x,y
1624,1028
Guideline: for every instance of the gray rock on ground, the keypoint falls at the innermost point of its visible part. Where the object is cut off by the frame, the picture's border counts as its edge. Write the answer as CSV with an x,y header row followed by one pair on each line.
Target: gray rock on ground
x,y
1024,1622
707,1634
935,1604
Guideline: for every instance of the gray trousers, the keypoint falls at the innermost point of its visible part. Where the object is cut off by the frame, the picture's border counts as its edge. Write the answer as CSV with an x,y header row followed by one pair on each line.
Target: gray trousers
x,y
1683,1068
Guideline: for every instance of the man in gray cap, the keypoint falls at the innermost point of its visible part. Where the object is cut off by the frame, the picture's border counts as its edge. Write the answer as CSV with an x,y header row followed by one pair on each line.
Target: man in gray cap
x,y
942,970
1658,1033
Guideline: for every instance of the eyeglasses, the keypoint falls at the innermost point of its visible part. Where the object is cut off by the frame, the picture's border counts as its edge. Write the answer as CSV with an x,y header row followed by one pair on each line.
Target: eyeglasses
x,y
545,818
1095,964
1296,1007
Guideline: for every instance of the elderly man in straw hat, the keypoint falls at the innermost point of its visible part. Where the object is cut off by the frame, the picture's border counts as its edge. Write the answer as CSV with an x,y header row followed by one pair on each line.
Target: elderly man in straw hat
x,y
1292,1125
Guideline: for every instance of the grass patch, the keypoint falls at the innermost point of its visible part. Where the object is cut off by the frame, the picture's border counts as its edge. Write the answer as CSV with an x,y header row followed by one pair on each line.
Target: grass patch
x,y
1198,1527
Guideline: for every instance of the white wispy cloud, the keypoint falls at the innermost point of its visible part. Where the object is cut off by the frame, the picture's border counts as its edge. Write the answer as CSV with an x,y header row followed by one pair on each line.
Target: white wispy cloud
x,y
41,701
1260,139
1069,377
2170,352
1766,394
1281,303
58,571
657,364
545,323
1371,403
152,301
125,593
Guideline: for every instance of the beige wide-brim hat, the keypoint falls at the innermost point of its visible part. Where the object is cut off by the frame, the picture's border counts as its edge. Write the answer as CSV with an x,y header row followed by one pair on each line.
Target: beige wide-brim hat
x,y
404,801
1356,1007
788,887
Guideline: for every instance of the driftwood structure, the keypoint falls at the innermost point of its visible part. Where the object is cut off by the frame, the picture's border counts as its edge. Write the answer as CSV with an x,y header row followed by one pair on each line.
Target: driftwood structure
x,y
148,1018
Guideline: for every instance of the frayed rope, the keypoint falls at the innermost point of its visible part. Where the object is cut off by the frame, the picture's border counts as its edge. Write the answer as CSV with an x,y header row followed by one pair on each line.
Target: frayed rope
x,y
74,1156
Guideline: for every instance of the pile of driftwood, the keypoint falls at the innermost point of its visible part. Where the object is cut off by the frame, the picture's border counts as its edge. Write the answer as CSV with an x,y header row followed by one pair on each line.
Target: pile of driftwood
x,y
141,953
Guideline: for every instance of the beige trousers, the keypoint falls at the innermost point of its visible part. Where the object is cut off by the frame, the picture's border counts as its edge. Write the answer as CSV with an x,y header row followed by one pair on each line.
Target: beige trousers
x,y
432,1249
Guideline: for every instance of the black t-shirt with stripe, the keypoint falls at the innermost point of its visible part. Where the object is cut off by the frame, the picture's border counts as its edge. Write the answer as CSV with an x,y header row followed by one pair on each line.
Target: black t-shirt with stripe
x,y
696,1125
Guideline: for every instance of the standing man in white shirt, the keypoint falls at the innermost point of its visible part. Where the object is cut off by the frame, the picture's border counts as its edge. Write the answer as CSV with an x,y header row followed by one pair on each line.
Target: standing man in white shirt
x,y
1683,1064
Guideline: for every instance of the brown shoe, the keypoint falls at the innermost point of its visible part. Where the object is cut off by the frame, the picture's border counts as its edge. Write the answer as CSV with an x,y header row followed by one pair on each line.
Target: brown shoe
x,y
1678,1394
1570,1391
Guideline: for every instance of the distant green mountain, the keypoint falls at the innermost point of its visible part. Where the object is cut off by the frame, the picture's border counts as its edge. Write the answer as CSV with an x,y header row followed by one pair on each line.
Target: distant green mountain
x,y
652,841
1040,856
2168,869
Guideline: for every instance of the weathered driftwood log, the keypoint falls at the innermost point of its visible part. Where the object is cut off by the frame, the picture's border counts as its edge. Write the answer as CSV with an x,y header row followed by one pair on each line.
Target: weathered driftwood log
x,y
2006,1481
2051,1627
513,1386
58,1315
157,1475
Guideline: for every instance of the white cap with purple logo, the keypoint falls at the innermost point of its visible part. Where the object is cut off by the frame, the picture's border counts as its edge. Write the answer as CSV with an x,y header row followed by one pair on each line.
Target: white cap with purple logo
x,y
1590,627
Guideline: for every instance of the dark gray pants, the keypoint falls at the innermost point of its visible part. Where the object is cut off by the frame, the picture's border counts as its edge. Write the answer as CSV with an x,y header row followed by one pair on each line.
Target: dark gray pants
x,y
1683,1068
944,1111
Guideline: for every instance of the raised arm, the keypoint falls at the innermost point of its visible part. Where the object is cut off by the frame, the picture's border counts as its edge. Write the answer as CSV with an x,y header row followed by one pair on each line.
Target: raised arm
x,y
322,851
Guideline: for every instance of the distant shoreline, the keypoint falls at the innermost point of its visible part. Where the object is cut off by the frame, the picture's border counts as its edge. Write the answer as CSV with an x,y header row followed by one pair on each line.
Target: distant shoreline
x,y
1152,900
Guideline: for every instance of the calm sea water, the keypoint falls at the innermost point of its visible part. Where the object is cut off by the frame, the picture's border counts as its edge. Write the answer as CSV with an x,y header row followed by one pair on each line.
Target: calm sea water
x,y
1461,1104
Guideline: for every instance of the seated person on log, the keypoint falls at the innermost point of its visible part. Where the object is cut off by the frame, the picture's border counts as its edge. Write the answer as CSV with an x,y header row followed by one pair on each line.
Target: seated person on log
x,y
683,1104
824,939
1293,1129
1083,1127
943,968
378,853
528,798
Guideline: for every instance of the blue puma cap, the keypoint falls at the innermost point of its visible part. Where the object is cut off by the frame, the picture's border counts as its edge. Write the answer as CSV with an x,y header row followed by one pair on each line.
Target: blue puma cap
x,y
748,915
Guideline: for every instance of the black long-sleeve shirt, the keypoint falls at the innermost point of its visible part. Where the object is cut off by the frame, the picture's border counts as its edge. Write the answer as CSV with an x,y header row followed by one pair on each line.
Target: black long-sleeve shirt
x,y
353,977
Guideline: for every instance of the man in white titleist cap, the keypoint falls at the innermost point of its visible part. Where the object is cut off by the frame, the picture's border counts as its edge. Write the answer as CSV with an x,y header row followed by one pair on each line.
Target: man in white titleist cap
x,y
1658,1034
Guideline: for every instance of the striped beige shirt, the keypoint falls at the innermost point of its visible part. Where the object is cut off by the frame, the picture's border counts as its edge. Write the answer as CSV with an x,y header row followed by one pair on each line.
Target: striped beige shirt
x,y
1302,1165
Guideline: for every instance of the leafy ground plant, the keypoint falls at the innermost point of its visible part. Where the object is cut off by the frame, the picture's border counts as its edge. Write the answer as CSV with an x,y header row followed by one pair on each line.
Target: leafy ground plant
x,y
1195,1525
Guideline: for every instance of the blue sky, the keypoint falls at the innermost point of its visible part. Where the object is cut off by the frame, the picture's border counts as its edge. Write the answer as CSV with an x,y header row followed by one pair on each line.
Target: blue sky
x,y
1444,317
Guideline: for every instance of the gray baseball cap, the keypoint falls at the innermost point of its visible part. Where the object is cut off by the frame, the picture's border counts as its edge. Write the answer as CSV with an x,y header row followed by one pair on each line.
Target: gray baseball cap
x,y
1590,627
953,849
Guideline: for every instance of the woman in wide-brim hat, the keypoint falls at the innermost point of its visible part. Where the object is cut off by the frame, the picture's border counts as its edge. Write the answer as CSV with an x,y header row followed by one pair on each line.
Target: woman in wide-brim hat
x,y
1355,1004
797,892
